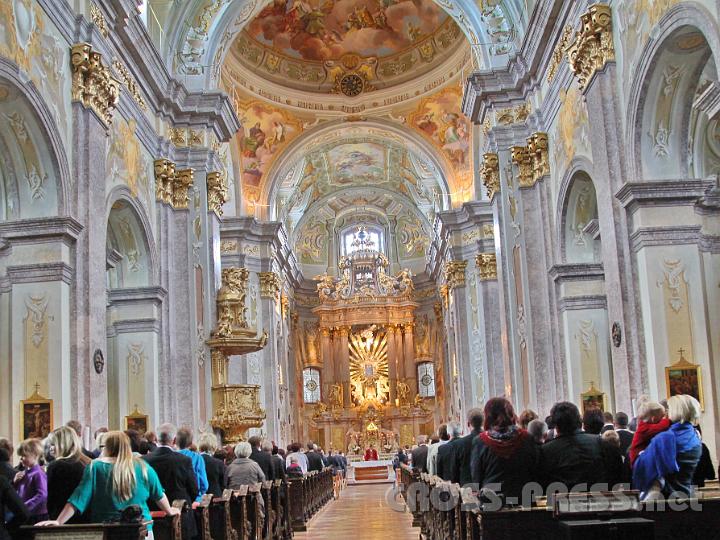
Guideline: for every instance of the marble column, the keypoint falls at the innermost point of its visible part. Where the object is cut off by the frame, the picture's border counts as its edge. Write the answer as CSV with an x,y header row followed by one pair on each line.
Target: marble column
x,y
396,332
409,359
269,306
392,361
343,361
329,375
89,391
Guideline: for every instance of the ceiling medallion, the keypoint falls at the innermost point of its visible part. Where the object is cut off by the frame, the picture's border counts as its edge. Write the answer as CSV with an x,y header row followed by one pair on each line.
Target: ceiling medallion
x,y
352,84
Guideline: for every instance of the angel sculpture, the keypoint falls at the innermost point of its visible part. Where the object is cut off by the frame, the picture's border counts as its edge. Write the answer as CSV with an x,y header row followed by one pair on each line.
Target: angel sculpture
x,y
325,287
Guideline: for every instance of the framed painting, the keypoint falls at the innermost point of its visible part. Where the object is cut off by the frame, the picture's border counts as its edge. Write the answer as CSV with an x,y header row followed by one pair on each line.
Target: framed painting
x,y
592,399
684,377
137,421
36,416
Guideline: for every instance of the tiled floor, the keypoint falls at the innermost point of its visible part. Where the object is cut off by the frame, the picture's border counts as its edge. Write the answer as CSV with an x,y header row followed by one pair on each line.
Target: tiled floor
x,y
363,512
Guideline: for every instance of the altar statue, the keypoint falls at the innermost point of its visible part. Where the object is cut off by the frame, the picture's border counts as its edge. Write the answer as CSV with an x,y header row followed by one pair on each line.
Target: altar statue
x,y
371,454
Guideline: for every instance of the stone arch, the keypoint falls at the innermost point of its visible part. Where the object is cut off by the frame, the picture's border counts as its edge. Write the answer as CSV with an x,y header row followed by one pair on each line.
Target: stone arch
x,y
577,216
202,34
659,127
132,257
35,172
283,162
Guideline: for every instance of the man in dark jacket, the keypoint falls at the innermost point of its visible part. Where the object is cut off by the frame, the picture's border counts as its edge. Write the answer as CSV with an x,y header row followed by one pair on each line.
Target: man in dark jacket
x,y
457,469
176,474
6,452
315,461
574,457
263,459
625,435
419,455
447,457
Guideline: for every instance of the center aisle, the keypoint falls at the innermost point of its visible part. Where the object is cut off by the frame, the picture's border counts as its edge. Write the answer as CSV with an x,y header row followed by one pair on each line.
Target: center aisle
x,y
361,513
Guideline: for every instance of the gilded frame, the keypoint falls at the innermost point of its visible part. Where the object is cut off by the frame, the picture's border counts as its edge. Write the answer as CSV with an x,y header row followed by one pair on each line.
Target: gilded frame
x,y
137,421
684,377
33,411
592,399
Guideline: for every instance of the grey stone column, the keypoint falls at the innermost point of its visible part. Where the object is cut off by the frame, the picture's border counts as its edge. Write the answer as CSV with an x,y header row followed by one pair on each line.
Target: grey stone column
x,y
89,395
268,355
609,164
392,362
409,357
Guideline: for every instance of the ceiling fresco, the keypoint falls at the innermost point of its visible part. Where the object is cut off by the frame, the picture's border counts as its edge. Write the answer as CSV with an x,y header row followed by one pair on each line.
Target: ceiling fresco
x,y
357,162
347,46
327,29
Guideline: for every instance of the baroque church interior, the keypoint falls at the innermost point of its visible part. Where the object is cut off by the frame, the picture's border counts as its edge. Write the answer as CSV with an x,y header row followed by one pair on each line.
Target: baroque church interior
x,y
352,221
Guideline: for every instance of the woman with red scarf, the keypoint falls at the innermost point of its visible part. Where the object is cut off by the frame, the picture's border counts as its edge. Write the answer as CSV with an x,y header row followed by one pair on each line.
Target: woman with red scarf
x,y
503,454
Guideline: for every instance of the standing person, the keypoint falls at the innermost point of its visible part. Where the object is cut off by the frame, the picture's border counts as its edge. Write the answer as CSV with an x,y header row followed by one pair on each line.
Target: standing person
x,y
176,475
609,422
244,471
315,462
503,454
447,459
151,439
278,462
214,468
624,434
261,458
419,454
112,483
183,441
277,466
652,420
66,471
6,468
31,482
78,429
666,467
573,457
10,503
444,437
301,458
460,472
705,469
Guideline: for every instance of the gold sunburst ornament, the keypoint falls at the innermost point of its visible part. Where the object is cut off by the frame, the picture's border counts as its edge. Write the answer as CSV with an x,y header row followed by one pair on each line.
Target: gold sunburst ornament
x,y
369,367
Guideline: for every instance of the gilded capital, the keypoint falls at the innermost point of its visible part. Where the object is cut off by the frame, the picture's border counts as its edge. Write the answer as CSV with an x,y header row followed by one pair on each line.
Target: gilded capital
x,y
490,173
182,181
538,154
455,274
521,157
438,309
270,284
92,83
486,265
593,45
164,175
217,191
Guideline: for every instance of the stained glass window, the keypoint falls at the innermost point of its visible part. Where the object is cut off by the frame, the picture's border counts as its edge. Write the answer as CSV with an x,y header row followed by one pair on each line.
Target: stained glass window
x,y
361,237
311,385
426,379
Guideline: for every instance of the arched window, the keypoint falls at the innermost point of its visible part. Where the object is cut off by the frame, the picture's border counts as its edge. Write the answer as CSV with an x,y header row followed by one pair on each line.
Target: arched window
x,y
426,379
362,237
311,385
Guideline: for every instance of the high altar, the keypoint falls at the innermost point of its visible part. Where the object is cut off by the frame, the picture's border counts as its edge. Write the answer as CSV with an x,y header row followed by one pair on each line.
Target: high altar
x,y
367,357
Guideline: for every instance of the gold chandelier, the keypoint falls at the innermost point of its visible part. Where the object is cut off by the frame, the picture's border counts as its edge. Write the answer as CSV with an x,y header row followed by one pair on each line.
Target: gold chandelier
x,y
369,367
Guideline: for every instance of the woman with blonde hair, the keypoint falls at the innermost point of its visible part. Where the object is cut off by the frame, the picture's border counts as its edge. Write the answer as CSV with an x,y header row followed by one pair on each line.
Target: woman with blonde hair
x,y
667,466
214,468
113,482
65,471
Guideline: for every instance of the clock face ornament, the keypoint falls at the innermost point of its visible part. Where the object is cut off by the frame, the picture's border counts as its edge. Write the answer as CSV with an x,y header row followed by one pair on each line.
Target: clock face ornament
x,y
311,386
352,84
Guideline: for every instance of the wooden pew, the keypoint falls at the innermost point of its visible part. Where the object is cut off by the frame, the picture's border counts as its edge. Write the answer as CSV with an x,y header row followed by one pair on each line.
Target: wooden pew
x,y
296,503
104,531
276,502
220,520
255,512
269,522
202,517
167,527
239,513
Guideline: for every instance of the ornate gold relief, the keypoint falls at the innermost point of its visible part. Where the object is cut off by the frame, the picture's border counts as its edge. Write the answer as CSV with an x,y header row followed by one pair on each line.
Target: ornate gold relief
x,y
513,115
232,334
538,152
194,138
270,284
237,409
455,274
490,173
445,295
593,45
438,309
177,136
487,266
217,191
98,20
130,84
521,157
559,52
92,83
164,173
181,184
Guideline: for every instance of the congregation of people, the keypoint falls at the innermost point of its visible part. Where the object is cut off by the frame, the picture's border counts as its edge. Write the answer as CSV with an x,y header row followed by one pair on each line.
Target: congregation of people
x,y
57,481
659,452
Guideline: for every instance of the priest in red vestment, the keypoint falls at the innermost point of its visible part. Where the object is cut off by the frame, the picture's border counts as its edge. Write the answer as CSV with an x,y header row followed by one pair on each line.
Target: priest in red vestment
x,y
371,454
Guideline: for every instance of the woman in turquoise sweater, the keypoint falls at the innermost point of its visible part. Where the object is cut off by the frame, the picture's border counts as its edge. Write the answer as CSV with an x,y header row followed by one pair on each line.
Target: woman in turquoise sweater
x,y
113,482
